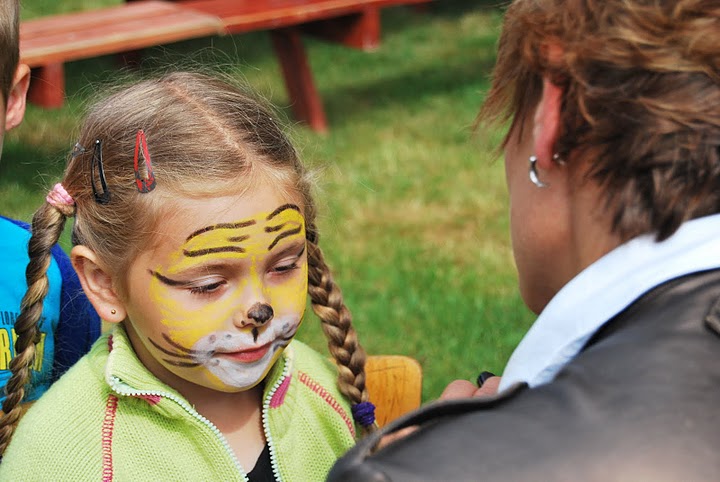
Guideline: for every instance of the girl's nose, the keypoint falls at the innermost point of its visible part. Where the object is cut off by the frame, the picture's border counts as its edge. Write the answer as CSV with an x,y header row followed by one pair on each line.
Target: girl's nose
x,y
260,313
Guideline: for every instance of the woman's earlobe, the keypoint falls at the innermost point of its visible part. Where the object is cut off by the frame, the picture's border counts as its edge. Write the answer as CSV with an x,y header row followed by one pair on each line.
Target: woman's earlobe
x,y
97,284
546,123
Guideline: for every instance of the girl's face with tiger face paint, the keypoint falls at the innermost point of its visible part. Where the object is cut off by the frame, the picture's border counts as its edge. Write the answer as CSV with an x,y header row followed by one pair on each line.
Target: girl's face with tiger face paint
x,y
221,295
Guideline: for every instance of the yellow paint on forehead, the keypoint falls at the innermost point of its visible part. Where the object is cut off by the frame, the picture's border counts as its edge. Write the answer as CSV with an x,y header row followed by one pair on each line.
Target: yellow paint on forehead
x,y
239,240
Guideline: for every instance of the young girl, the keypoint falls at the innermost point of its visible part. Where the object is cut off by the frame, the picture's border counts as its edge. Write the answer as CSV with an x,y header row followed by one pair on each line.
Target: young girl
x,y
195,234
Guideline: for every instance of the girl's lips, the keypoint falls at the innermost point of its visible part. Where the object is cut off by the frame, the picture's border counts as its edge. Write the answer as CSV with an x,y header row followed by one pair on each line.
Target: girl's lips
x,y
247,356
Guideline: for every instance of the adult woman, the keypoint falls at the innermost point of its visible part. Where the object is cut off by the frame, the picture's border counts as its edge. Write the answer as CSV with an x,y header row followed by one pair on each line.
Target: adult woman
x,y
613,168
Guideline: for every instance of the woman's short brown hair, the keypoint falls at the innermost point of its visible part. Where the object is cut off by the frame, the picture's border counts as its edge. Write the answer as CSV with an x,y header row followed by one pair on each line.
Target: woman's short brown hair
x,y
641,81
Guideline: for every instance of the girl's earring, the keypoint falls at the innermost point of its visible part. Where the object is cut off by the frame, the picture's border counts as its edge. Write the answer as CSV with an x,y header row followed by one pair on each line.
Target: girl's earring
x,y
533,173
113,311
559,160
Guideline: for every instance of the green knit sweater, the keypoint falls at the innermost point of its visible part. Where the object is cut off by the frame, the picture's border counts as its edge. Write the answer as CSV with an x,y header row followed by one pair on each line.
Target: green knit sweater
x,y
109,418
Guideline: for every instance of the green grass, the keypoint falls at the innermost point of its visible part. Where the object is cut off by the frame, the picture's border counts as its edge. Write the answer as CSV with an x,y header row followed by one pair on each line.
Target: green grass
x,y
413,213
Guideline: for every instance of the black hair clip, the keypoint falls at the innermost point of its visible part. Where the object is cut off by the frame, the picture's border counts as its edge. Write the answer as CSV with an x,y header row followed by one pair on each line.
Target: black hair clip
x,y
97,160
147,183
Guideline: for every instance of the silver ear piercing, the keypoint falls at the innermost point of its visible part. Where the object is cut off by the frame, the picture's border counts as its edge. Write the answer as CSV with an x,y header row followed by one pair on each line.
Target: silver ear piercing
x,y
533,173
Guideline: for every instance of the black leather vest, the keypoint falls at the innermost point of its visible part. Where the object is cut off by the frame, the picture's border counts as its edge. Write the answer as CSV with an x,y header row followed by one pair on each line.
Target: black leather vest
x,y
640,402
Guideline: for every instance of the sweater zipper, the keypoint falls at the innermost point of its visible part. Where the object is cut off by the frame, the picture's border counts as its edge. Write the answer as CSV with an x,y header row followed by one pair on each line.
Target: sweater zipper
x,y
265,421
125,390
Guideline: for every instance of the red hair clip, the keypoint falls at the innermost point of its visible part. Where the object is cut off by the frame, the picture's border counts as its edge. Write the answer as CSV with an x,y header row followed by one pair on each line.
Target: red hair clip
x,y
147,183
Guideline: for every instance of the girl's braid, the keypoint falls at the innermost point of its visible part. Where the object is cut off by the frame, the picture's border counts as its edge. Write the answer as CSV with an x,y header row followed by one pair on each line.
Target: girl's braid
x,y
328,305
47,226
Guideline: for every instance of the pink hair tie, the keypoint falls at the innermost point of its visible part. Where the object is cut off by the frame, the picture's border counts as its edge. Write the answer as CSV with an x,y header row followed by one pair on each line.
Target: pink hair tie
x,y
60,198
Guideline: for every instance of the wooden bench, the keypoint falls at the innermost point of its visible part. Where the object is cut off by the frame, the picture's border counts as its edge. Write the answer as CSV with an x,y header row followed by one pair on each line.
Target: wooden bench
x,y
46,43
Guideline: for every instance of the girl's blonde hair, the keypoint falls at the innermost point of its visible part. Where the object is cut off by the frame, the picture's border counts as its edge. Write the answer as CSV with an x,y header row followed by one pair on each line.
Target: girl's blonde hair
x,y
207,137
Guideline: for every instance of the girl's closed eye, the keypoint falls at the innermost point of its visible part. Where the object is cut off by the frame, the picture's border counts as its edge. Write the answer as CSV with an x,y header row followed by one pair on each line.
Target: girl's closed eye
x,y
288,263
281,268
207,287
198,286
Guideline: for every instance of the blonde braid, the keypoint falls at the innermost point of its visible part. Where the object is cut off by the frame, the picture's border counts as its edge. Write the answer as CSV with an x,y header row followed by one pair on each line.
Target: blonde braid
x,y
47,226
328,305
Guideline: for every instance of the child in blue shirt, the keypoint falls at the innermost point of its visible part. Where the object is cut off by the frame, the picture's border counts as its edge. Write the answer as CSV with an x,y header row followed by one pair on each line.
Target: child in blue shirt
x,y
68,325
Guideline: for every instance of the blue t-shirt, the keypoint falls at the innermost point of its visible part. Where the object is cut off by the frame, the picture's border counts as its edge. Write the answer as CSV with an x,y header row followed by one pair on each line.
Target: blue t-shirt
x,y
69,324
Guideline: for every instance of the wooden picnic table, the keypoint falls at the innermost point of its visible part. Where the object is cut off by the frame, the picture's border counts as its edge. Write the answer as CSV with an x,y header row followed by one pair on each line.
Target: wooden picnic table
x,y
46,43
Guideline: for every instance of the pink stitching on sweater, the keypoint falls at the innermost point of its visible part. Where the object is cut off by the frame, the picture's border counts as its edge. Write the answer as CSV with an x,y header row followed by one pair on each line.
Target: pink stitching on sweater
x,y
107,434
151,399
325,395
279,396
110,343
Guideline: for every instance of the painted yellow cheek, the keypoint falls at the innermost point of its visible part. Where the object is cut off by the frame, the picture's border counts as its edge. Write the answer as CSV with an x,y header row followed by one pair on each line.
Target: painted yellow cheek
x,y
290,297
186,325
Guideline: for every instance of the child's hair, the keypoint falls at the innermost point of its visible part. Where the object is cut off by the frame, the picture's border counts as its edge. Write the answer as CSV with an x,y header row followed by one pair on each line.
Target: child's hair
x,y
9,44
206,137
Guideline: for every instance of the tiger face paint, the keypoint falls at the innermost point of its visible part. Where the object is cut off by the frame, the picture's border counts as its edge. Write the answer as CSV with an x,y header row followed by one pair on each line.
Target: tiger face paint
x,y
219,302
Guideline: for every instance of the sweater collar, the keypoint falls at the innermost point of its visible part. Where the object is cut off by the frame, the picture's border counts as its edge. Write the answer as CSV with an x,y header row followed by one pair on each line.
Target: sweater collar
x,y
603,290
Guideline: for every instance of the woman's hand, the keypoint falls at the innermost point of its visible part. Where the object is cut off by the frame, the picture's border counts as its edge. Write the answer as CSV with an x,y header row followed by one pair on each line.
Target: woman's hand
x,y
465,389
456,389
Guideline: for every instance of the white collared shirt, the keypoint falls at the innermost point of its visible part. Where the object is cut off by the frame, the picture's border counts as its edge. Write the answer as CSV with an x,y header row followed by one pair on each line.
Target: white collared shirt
x,y
604,289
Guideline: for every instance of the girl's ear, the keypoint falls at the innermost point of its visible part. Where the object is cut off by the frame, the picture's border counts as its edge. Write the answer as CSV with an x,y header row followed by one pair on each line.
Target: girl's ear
x,y
97,284
15,108
546,124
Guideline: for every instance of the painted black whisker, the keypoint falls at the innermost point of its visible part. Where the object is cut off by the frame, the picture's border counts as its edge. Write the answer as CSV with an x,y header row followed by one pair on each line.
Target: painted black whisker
x,y
168,352
283,235
272,229
182,348
282,208
241,224
219,249
181,364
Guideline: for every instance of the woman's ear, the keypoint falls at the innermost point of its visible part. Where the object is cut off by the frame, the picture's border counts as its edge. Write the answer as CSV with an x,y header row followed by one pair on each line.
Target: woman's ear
x,y
97,284
546,124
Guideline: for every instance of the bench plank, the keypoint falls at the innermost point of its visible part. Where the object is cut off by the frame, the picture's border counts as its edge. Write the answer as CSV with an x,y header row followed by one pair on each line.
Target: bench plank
x,y
115,29
247,15
46,43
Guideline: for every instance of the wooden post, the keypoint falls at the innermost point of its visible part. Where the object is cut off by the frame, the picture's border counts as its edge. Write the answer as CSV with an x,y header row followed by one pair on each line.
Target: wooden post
x,y
305,100
47,85
357,30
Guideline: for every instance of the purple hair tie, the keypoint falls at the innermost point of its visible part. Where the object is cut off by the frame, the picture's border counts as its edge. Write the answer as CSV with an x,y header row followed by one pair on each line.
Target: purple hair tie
x,y
364,413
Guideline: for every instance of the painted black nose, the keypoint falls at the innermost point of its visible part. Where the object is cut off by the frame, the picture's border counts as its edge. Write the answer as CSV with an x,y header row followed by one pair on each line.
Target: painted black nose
x,y
260,313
